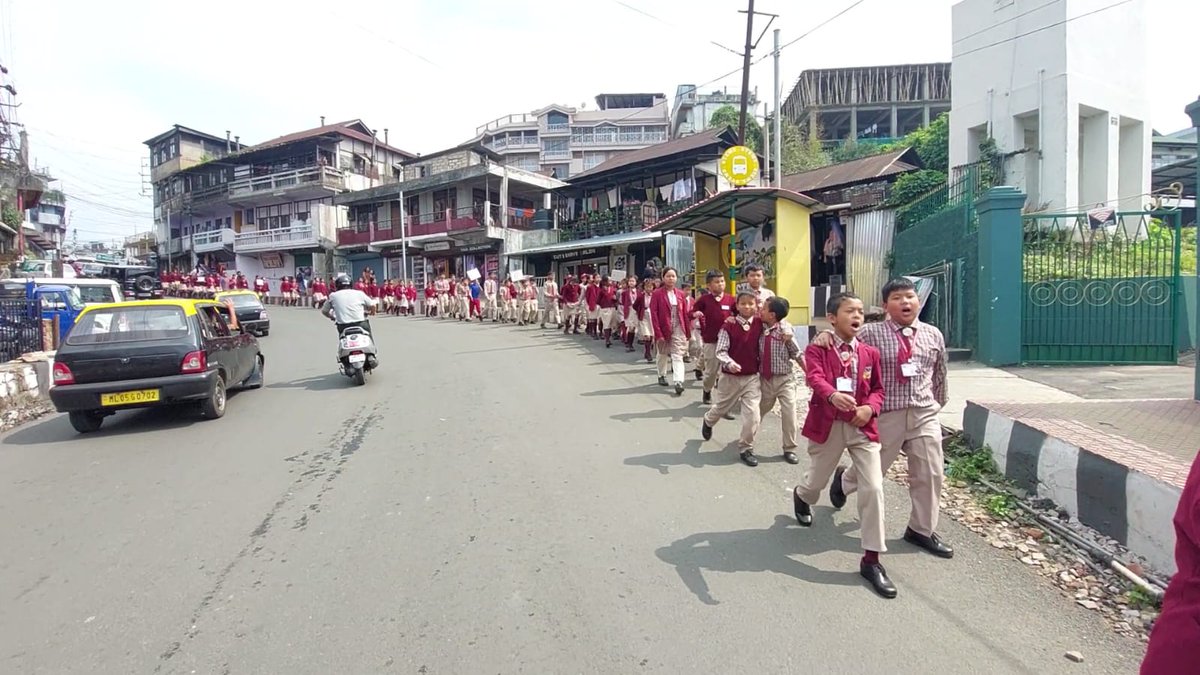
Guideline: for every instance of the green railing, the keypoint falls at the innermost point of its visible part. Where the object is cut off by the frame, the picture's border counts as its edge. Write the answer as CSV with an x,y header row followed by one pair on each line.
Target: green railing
x,y
619,220
968,185
1101,287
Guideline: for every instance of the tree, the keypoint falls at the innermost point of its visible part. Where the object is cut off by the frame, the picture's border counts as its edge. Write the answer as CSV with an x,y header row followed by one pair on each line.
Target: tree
x,y
802,151
932,144
729,116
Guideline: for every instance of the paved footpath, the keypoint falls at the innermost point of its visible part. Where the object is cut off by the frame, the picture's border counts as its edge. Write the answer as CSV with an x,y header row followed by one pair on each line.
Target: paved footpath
x,y
507,501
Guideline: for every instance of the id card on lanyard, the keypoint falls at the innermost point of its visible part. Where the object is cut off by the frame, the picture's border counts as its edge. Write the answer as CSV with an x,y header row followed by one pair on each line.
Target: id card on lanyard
x,y
845,383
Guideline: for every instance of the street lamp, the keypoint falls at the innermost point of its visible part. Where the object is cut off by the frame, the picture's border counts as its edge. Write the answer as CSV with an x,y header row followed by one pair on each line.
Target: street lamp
x,y
1193,111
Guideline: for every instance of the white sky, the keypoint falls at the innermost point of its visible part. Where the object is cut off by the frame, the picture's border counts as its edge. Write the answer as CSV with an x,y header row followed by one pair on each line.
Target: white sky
x,y
96,79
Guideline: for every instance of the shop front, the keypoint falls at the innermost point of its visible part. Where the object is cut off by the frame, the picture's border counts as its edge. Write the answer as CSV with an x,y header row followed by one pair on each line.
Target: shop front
x,y
452,258
613,256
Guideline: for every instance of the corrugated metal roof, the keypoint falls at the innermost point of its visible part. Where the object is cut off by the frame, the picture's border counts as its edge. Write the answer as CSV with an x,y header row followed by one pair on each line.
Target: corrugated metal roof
x,y
347,128
855,171
751,206
657,151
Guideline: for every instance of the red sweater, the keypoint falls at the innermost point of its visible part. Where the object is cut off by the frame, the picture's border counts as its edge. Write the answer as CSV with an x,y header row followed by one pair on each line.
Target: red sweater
x,y
660,313
743,346
592,296
570,292
1175,641
608,298
715,310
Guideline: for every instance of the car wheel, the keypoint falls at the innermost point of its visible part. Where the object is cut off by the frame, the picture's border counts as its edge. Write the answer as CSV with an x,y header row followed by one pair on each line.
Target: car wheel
x,y
213,407
86,421
258,376
145,284
264,333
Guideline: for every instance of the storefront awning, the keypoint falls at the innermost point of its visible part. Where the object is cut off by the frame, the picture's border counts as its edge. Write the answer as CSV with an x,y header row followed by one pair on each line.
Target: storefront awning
x,y
751,206
594,242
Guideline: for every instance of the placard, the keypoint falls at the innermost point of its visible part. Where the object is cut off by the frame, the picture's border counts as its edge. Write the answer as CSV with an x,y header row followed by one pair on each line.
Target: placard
x,y
517,276
617,275
473,274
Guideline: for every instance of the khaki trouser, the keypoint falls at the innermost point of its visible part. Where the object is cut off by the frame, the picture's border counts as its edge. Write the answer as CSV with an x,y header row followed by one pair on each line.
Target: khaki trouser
x,y
731,391
552,315
464,307
489,307
670,359
608,319
710,365
781,389
513,311
918,433
864,453
443,305
574,312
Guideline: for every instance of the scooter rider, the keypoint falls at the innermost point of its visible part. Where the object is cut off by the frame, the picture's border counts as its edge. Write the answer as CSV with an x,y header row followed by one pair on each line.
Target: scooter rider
x,y
348,306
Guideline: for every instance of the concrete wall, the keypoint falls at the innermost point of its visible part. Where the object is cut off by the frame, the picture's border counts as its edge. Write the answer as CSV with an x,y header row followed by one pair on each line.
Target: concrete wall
x,y
793,259
1085,77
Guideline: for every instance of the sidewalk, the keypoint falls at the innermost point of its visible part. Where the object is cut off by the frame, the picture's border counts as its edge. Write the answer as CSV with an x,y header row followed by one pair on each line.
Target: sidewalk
x,y
1112,445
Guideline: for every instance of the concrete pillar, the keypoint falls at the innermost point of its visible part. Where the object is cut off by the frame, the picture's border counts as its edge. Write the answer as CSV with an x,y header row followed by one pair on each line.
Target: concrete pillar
x,y
895,128
999,294
853,124
1193,111
925,116
1097,170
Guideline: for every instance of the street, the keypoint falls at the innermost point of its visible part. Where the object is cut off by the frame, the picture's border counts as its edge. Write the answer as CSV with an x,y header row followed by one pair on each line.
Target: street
x,y
495,499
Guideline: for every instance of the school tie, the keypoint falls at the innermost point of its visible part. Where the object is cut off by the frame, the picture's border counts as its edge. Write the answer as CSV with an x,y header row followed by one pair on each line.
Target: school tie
x,y
903,351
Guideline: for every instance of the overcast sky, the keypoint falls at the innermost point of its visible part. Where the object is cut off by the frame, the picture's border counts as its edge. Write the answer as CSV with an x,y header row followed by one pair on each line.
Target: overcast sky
x,y
96,79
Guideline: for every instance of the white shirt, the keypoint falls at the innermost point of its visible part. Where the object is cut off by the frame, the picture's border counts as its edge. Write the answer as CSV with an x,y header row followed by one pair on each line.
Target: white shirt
x,y
348,305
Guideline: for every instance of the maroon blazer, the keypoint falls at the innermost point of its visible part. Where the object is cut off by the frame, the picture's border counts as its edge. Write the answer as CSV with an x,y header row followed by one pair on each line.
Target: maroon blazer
x,y
1175,640
660,313
822,368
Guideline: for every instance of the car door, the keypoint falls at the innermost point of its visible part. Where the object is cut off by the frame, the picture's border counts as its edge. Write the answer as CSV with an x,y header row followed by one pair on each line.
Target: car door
x,y
243,342
219,343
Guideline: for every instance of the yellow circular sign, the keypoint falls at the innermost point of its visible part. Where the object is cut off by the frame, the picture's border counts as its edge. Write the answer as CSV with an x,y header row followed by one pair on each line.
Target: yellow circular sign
x,y
739,165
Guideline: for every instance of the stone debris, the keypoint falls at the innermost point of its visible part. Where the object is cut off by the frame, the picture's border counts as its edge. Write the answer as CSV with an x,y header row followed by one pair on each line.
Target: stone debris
x,y
1074,656
1045,554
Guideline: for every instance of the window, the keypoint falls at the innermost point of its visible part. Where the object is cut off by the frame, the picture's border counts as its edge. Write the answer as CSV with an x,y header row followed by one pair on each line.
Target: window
x,y
228,222
129,324
554,117
412,206
214,323
443,201
248,216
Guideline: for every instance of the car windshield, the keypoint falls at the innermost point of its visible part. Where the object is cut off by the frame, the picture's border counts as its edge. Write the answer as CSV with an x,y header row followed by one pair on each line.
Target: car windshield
x,y
97,294
242,301
129,324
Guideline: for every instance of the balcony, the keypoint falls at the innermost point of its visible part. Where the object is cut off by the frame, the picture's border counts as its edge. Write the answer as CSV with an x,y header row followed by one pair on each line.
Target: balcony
x,y
508,121
450,221
551,155
297,236
213,240
631,217
618,138
557,129
319,181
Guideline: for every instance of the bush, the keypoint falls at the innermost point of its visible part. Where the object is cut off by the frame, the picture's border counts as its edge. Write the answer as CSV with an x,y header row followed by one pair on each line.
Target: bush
x,y
912,186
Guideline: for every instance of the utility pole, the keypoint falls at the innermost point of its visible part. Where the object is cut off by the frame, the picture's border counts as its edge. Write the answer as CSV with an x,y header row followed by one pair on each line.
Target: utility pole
x,y
778,120
746,71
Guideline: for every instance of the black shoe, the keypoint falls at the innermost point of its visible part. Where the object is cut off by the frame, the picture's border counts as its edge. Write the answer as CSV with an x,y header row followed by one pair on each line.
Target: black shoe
x,y
699,375
679,389
790,457
837,495
878,578
729,416
932,543
662,382
706,399
748,458
705,430
802,509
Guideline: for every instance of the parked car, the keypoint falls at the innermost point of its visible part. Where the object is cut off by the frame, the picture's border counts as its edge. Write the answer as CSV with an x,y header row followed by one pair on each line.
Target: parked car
x,y
137,281
140,354
251,315
90,290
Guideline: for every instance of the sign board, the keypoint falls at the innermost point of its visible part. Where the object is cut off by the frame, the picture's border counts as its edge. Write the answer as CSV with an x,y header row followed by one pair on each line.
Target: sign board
x,y
571,255
517,276
437,246
739,165
272,261
617,275
473,274
478,248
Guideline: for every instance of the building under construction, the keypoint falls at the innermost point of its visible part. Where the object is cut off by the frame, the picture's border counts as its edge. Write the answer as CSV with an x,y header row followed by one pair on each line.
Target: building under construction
x,y
873,103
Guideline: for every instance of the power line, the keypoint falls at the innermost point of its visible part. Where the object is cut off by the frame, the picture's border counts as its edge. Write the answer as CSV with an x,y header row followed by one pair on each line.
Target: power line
x,y
1038,30
1008,20
664,22
814,29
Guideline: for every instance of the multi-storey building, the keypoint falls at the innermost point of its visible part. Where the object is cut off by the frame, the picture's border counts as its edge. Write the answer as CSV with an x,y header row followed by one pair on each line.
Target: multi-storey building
x,y
875,103
46,224
562,141
693,110
266,209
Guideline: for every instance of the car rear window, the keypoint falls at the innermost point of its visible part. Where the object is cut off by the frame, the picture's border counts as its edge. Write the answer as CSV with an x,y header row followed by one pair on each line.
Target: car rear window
x,y
242,301
129,324
97,294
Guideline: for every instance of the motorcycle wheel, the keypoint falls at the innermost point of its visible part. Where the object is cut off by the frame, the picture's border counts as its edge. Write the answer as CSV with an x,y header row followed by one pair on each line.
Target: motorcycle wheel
x,y
360,377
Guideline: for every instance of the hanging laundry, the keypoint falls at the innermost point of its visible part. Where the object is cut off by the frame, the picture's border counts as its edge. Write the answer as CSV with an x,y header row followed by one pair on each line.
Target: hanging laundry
x,y
613,198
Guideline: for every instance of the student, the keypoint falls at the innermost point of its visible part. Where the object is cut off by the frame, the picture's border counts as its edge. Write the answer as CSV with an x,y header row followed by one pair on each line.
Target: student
x,y
591,296
712,309
411,294
668,314
847,385
777,353
431,295
476,291
490,289
1175,640
736,354
530,292
629,325
641,309
755,276
571,293
608,309
914,367
550,295
320,291
505,297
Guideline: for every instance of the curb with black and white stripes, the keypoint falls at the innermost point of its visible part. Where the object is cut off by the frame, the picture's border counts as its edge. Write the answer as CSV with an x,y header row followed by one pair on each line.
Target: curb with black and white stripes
x,y
1109,497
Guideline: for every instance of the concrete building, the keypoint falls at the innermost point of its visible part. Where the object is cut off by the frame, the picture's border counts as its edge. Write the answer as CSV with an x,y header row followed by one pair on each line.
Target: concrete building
x,y
876,103
266,209
1167,149
563,141
692,110
1064,82
46,224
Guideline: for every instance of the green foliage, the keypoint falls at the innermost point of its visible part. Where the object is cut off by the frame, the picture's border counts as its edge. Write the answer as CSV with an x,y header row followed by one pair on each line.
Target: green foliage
x,y
1065,247
1139,599
1000,505
849,150
912,186
801,151
12,217
931,143
972,465
729,116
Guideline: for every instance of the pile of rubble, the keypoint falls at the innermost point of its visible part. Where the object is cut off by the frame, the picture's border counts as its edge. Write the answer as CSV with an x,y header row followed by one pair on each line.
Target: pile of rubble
x,y
1091,585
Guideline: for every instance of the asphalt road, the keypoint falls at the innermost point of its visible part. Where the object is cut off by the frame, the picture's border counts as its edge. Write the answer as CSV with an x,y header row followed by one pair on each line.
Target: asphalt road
x,y
495,499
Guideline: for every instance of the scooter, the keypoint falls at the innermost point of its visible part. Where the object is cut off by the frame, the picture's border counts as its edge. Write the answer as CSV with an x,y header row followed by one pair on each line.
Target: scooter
x,y
356,354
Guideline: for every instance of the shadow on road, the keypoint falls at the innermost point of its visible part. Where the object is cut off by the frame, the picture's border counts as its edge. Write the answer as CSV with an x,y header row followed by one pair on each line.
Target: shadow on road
x,y
690,456
58,428
688,412
329,382
765,550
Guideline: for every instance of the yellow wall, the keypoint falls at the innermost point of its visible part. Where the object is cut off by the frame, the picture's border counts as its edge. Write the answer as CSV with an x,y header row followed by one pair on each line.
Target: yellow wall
x,y
711,254
793,259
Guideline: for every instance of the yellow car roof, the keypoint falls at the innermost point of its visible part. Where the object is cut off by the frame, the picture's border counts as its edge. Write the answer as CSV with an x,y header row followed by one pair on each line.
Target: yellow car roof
x,y
186,304
240,291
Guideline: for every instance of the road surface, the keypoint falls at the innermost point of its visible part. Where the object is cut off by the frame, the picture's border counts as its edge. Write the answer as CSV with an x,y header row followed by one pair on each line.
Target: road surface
x,y
495,499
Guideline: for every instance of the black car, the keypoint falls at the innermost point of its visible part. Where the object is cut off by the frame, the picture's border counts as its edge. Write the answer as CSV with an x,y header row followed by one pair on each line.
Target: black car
x,y
143,354
137,282
251,315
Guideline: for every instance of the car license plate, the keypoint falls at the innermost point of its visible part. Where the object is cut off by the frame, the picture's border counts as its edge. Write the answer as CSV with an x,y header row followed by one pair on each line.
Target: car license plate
x,y
131,397
358,358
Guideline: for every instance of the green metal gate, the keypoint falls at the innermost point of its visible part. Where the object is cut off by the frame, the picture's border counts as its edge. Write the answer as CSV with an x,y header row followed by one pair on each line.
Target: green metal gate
x,y
1100,287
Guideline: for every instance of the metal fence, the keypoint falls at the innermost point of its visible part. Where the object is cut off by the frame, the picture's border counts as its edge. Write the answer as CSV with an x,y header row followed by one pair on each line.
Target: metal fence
x,y
1101,287
20,328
